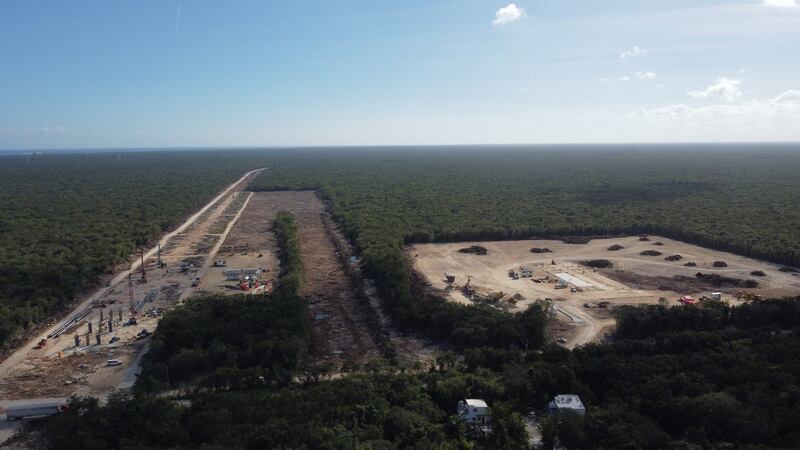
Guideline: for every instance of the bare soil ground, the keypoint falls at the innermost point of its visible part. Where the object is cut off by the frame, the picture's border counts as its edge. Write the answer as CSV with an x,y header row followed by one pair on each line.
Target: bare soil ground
x,y
633,279
342,330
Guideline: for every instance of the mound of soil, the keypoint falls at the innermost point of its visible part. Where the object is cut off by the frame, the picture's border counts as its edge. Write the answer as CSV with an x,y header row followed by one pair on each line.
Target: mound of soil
x,y
644,238
788,269
598,263
475,249
674,258
651,253
758,273
541,250
691,264
719,280
615,247
658,243
720,264
576,240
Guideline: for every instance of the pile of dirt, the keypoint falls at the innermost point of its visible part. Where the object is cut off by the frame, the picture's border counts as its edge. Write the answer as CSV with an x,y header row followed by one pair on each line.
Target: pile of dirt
x,y
651,253
674,258
598,263
719,280
577,240
691,264
679,284
720,264
658,243
475,249
615,248
758,273
644,238
541,250
788,269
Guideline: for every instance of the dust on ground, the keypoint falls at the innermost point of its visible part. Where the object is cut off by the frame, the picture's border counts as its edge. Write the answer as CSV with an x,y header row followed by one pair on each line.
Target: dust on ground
x,y
633,278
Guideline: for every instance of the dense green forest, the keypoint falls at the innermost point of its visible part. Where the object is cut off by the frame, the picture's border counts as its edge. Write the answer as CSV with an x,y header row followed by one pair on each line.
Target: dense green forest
x,y
745,200
67,219
674,378
710,377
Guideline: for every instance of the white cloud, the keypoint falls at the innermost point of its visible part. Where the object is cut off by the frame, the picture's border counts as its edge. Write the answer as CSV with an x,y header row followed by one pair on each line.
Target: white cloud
x,y
645,75
633,53
508,14
785,106
722,87
781,3
635,76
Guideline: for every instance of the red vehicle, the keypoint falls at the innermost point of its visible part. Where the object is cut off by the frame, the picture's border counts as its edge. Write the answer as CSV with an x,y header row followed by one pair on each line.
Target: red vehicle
x,y
41,344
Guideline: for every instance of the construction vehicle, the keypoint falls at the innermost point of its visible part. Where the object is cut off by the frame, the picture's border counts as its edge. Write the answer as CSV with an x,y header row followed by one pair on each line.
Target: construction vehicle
x,y
41,344
195,281
744,295
221,263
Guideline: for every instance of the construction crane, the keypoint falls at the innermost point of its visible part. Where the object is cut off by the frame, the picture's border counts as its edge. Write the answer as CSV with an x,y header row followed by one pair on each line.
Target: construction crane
x,y
160,262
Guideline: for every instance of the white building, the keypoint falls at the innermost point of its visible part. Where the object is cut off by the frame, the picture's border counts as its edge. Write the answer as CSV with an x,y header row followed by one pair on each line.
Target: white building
x,y
474,411
233,274
566,402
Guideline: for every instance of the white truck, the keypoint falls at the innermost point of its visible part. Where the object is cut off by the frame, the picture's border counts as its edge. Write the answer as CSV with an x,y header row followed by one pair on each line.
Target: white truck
x,y
45,409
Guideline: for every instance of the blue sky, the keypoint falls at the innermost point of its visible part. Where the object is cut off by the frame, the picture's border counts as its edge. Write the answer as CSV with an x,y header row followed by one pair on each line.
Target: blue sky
x,y
345,72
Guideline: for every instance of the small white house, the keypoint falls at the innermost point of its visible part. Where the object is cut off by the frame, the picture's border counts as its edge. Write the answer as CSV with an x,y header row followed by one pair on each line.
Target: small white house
x,y
566,402
474,411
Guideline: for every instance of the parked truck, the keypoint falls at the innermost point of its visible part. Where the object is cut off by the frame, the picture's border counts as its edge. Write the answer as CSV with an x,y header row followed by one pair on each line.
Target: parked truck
x,y
35,410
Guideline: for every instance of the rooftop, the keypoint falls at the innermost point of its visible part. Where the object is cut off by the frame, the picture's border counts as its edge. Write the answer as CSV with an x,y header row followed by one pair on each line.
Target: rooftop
x,y
476,403
569,401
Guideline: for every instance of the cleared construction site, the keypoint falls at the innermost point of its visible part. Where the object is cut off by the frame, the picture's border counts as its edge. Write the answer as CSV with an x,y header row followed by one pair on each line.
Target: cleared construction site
x,y
226,248
583,282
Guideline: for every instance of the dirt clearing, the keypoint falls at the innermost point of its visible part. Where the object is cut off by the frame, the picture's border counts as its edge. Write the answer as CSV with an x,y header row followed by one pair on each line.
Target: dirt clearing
x,y
582,294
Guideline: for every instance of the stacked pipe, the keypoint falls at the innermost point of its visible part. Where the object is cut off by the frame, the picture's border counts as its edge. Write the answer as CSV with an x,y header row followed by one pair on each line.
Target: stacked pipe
x,y
63,328
150,297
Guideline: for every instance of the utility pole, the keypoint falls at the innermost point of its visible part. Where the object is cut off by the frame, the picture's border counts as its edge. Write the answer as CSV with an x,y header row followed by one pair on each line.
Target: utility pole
x,y
144,274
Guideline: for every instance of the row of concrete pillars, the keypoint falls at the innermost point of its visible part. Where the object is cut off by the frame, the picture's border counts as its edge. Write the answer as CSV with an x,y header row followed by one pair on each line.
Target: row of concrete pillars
x,y
97,338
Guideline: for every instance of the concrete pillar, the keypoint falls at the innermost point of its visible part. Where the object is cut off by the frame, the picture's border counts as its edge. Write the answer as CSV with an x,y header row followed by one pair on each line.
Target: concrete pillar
x,y
88,342
77,341
120,314
101,314
90,327
110,326
97,338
